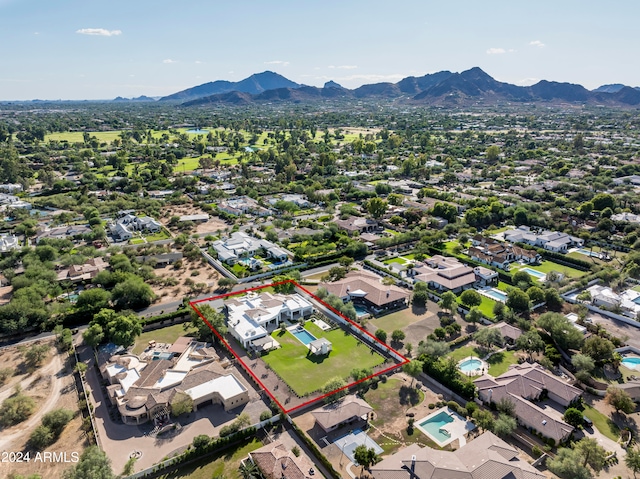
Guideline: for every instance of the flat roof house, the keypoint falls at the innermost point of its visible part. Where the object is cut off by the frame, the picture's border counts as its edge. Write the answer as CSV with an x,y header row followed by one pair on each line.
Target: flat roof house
x,y
549,240
241,245
445,273
255,316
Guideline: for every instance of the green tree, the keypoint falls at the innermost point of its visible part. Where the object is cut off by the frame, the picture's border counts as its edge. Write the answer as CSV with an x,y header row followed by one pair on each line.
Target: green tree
x,y
397,335
471,298
333,385
483,419
492,153
561,330
488,337
132,293
248,470
599,349
214,318
433,349
36,354
518,301
474,315
377,207
504,425
632,460
584,366
593,453
573,416
530,342
536,295
93,300
413,368
93,463
620,400
365,457
56,420
41,437
567,464
123,329
381,334
447,301
16,409
93,335
181,404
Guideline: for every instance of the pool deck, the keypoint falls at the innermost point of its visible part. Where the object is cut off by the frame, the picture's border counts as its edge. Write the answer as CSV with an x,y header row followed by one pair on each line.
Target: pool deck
x,y
457,429
483,368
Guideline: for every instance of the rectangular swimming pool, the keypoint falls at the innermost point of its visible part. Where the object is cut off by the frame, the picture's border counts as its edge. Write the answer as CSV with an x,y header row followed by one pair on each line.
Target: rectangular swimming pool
x,y
304,336
496,294
536,274
360,310
435,426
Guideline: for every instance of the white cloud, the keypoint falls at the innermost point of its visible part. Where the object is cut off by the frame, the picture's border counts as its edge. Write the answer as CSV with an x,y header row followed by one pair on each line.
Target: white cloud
x,y
101,32
500,51
343,67
536,43
277,62
169,60
527,81
198,62
36,33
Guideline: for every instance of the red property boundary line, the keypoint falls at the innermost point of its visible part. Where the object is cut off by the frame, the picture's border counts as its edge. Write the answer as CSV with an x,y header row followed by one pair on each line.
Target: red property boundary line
x,y
258,381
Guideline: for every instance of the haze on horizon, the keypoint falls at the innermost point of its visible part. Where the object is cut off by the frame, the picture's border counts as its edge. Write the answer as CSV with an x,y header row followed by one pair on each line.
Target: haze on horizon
x,y
99,50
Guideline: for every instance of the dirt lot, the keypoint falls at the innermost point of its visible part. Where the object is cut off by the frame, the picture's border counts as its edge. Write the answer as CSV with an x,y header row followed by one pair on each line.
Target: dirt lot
x,y
212,226
52,387
197,271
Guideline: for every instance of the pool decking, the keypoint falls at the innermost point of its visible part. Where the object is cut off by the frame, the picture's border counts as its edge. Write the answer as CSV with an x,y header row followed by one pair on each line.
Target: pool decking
x,y
457,429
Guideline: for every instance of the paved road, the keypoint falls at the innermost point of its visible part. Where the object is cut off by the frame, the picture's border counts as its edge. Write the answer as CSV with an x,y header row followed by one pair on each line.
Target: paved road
x,y
630,334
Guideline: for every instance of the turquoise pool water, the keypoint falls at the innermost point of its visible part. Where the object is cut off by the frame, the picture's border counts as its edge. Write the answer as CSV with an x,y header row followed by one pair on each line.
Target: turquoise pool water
x,y
158,355
197,131
632,362
470,365
435,423
586,252
361,310
304,336
496,294
534,273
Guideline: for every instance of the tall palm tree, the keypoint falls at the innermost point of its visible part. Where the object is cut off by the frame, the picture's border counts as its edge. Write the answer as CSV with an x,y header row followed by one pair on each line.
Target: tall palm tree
x,y
248,470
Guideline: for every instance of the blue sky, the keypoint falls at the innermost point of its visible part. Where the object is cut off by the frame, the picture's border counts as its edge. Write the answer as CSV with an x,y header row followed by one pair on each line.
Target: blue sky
x,y
97,49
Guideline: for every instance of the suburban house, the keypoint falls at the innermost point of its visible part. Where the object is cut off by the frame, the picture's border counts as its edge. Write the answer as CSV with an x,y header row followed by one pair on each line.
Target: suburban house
x,y
254,316
240,245
143,389
362,287
524,383
71,232
8,202
549,240
8,242
444,273
276,461
486,457
627,302
508,332
83,272
495,253
243,205
348,410
125,226
298,200
355,224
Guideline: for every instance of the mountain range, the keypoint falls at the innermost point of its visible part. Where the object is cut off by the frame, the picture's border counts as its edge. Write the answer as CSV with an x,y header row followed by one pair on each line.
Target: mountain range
x,y
445,88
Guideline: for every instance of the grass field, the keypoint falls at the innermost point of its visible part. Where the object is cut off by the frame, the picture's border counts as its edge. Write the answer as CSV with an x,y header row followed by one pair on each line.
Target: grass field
x,y
161,235
225,464
163,335
486,306
605,425
463,352
305,373
398,320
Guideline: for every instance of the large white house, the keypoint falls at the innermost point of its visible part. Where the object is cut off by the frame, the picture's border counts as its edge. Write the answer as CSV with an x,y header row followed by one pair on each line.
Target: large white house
x,y
124,227
549,240
255,316
240,245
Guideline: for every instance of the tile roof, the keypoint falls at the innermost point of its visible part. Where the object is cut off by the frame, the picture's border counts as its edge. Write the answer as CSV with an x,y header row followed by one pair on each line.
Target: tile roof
x,y
275,462
377,293
335,413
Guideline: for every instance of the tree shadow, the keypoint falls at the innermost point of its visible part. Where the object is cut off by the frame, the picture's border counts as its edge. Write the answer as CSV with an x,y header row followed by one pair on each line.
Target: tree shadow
x,y
419,310
496,358
409,396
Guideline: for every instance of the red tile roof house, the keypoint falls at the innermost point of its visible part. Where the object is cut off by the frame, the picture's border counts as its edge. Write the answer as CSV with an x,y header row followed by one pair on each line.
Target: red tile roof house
x,y
366,288
486,457
525,383
445,274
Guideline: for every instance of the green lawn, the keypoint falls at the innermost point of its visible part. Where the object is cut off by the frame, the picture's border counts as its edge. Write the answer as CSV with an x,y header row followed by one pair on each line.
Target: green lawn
x,y
391,232
463,352
136,241
238,268
305,373
398,260
486,306
500,362
398,320
163,335
605,425
225,464
161,235
548,266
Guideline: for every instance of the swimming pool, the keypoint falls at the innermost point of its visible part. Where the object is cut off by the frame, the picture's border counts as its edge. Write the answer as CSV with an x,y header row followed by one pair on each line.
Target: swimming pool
x,y
631,362
536,274
304,336
435,426
362,311
586,252
470,365
496,294
160,355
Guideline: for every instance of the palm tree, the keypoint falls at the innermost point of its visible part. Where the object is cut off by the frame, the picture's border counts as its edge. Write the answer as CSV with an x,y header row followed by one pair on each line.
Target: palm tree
x,y
248,470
